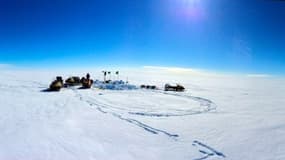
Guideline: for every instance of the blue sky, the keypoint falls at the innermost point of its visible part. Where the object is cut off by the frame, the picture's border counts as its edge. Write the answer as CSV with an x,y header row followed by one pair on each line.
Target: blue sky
x,y
236,36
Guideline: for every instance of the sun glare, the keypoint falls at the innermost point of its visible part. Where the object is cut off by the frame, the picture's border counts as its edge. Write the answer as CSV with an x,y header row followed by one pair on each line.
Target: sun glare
x,y
190,10
190,1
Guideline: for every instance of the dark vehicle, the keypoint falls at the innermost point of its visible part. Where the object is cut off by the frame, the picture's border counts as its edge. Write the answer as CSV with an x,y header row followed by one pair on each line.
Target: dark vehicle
x,y
72,81
177,88
57,84
86,82
148,86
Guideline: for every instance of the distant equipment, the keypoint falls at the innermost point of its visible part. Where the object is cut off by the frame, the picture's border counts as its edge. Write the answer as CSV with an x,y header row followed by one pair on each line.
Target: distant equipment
x,y
86,82
57,84
117,73
72,81
177,87
105,73
148,86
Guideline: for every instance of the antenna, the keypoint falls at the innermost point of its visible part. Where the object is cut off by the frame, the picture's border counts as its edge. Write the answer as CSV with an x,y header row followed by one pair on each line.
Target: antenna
x,y
117,73
105,73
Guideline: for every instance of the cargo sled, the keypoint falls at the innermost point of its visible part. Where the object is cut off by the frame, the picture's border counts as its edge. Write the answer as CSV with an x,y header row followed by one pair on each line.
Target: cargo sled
x,y
177,88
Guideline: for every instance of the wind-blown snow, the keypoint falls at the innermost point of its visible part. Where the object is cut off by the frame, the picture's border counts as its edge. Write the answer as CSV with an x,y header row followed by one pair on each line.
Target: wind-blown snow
x,y
218,117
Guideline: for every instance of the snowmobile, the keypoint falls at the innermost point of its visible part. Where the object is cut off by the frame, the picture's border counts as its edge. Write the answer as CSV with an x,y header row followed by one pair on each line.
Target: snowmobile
x,y
86,82
57,84
72,81
177,88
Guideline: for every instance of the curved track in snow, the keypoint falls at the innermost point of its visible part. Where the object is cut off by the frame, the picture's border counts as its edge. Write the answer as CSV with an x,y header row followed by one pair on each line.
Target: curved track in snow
x,y
206,105
123,113
106,110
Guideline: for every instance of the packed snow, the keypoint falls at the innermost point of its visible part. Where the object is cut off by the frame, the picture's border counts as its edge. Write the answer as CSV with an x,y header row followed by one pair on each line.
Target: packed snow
x,y
219,116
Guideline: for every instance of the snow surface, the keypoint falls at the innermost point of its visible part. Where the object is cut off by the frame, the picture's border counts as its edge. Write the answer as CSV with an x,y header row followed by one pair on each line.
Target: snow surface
x,y
218,117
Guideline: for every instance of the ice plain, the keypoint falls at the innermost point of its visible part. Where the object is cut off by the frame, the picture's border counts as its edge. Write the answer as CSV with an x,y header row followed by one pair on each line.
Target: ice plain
x,y
220,116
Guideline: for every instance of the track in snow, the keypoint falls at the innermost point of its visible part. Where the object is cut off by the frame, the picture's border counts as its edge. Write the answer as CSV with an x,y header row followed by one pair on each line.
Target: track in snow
x,y
103,109
205,104
204,149
119,112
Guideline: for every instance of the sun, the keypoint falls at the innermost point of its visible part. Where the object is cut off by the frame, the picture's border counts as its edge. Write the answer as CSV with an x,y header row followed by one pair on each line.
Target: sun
x,y
191,10
189,2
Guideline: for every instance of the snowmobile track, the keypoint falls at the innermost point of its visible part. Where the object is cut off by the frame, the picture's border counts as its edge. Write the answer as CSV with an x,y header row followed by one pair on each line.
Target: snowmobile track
x,y
207,104
146,127
115,111
204,149
210,151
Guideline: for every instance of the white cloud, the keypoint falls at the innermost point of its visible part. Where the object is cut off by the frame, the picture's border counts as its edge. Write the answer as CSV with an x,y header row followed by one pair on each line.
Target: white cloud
x,y
258,75
182,71
5,65
172,69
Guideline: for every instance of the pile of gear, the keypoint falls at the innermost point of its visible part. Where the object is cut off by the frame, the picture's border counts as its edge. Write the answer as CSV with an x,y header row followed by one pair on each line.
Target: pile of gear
x,y
87,82
114,85
57,84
